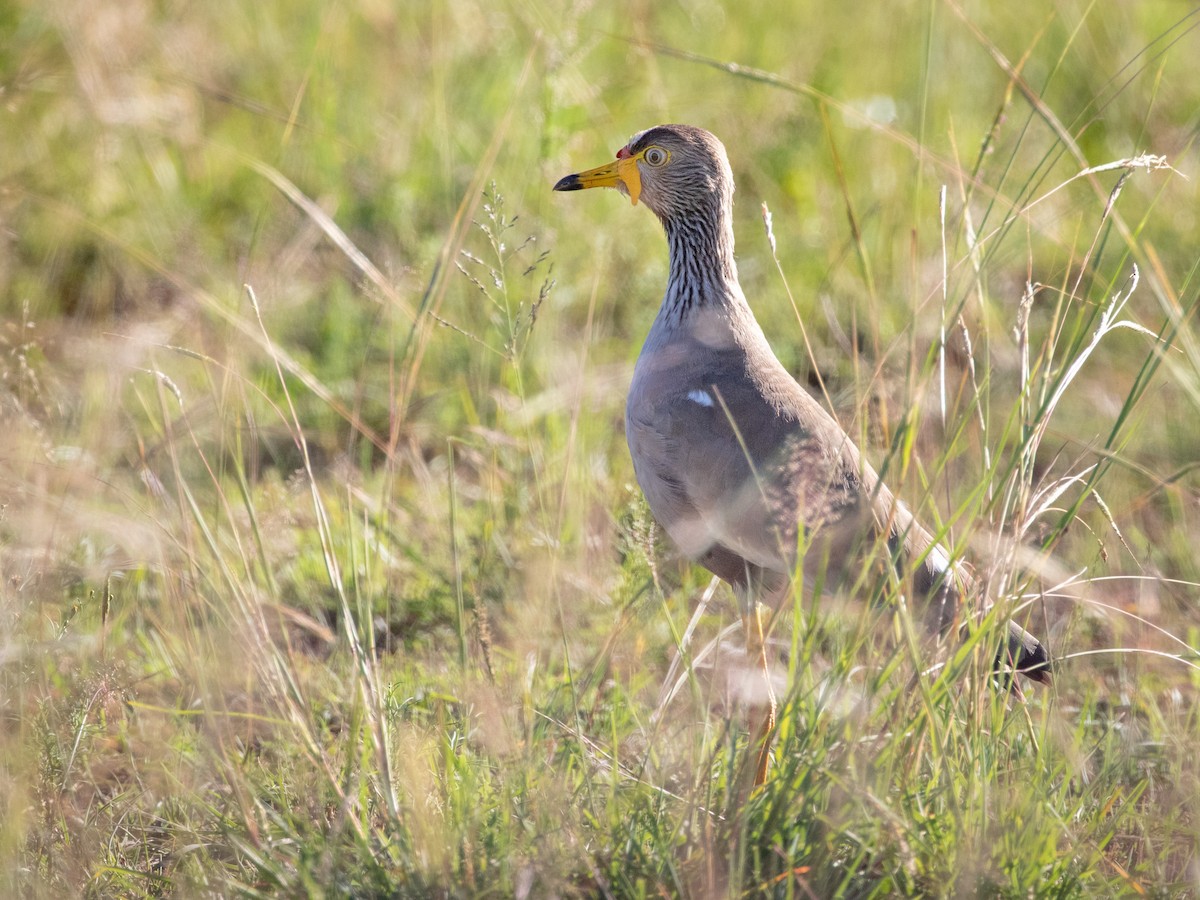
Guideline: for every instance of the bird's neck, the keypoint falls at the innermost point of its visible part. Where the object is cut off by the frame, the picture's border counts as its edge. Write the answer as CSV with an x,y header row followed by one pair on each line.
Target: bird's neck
x,y
703,272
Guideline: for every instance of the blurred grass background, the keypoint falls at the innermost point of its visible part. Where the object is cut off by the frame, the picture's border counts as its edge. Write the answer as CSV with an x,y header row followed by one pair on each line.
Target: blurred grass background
x,y
341,583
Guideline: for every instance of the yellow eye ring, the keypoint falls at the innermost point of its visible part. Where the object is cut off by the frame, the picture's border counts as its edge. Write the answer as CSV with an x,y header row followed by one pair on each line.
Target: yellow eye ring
x,y
655,156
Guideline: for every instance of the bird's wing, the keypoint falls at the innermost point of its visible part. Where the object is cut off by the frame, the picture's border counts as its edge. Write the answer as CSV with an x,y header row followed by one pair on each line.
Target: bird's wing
x,y
742,470
723,461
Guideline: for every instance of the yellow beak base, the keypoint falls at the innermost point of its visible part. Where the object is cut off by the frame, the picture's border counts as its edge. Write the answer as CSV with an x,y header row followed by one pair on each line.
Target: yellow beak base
x,y
620,173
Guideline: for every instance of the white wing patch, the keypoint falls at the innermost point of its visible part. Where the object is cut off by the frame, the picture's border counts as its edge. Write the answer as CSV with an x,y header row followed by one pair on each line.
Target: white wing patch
x,y
937,559
704,398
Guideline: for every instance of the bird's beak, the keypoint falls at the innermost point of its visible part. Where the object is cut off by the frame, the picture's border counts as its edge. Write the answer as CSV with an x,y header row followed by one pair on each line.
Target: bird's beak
x,y
621,173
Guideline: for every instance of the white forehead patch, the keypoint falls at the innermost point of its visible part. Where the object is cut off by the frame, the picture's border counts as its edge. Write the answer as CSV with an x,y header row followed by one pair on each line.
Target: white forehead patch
x,y
704,398
637,137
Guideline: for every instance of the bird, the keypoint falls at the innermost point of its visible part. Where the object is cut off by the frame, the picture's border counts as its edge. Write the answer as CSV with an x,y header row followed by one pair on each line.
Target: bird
x,y
744,469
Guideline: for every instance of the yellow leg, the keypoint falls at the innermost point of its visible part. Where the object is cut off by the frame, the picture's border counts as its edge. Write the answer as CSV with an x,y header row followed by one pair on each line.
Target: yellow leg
x,y
756,648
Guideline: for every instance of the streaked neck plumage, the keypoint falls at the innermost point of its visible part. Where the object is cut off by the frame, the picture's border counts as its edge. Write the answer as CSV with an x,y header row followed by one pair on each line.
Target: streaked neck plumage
x,y
703,272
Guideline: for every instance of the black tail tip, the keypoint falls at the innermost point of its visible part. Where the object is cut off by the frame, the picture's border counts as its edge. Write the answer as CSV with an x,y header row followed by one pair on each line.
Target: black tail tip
x,y
1022,659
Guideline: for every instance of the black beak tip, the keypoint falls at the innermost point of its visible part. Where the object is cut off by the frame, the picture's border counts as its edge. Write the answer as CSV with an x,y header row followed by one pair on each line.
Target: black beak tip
x,y
570,183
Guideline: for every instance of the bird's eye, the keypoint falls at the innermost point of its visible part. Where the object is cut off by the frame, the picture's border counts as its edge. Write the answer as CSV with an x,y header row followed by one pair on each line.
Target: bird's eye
x,y
655,156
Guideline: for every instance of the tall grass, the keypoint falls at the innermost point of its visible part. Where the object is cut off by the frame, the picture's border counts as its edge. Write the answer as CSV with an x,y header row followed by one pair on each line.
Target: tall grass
x,y
324,568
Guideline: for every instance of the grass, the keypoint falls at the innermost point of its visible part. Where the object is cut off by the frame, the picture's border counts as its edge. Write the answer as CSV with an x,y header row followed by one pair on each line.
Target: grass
x,y
325,571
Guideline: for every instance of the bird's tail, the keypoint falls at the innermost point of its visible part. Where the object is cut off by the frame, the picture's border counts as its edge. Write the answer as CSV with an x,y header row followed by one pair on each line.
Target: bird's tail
x,y
1025,655
943,586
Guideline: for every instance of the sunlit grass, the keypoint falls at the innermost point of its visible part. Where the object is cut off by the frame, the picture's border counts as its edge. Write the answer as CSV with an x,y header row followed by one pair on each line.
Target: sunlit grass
x,y
324,566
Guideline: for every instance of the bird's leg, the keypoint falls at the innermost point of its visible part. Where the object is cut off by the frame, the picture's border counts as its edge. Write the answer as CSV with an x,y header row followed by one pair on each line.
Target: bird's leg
x,y
756,649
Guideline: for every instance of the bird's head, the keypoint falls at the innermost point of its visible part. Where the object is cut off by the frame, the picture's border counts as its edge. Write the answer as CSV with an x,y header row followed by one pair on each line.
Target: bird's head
x,y
675,170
